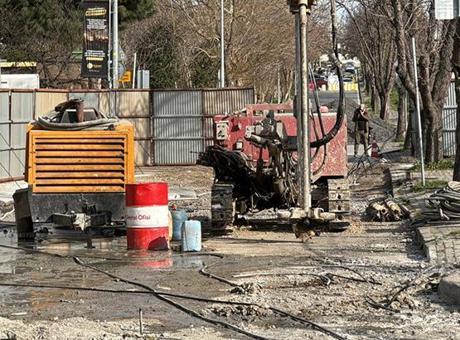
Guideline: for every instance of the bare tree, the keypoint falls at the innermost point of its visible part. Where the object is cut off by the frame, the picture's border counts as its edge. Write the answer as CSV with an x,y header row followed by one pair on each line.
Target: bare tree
x,y
259,42
434,48
370,39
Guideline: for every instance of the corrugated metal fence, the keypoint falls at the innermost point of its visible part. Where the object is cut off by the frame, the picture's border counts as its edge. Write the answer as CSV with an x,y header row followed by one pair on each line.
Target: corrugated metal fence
x,y
449,122
172,126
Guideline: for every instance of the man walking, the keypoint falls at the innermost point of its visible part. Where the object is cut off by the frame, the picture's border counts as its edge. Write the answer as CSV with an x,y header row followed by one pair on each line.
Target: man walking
x,y
361,120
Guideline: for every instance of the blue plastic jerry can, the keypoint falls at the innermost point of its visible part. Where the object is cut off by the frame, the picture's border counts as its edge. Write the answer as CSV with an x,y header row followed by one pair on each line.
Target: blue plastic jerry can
x,y
179,217
191,236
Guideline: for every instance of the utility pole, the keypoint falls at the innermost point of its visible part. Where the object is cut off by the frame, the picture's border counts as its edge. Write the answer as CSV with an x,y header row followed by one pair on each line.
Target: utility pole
x,y
115,44
222,45
419,120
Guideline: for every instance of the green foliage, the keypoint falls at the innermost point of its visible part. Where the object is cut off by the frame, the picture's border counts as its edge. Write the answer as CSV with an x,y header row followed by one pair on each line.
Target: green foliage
x,y
205,71
429,185
36,25
134,10
445,164
162,60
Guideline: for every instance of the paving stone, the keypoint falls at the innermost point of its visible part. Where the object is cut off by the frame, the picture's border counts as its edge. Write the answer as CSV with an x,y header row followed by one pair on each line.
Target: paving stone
x,y
440,243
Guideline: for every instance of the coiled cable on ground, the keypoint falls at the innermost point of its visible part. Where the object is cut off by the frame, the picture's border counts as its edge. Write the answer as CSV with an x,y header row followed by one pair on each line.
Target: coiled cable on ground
x,y
444,204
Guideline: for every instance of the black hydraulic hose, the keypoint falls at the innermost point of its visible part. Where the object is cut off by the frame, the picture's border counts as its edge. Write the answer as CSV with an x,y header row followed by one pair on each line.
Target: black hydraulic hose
x,y
318,105
317,171
321,123
180,296
340,110
47,123
162,297
123,291
279,311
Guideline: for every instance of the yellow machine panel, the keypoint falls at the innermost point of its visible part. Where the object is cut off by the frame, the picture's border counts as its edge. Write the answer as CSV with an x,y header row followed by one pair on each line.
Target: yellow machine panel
x,y
86,161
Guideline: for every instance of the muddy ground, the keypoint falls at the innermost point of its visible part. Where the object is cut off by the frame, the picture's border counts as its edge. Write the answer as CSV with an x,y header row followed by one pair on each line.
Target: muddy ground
x,y
342,282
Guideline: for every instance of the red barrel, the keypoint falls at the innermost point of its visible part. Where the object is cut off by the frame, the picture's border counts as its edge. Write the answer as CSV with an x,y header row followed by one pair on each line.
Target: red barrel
x,y
147,216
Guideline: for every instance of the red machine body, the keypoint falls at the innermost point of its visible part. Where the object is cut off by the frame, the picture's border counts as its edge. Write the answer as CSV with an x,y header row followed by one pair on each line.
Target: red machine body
x,y
229,132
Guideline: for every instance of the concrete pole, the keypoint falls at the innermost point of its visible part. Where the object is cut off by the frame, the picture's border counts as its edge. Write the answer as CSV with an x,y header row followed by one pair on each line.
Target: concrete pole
x,y
305,117
115,44
419,120
222,45
134,70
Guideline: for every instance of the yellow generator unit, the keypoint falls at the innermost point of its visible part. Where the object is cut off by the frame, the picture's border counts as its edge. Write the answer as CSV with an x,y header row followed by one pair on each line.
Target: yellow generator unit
x,y
77,165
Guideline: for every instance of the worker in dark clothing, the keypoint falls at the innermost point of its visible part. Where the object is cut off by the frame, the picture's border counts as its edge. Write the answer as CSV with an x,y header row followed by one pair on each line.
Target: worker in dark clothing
x,y
361,120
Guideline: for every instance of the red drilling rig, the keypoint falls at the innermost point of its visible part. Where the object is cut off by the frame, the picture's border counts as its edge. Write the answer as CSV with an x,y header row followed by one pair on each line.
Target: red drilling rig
x,y
283,164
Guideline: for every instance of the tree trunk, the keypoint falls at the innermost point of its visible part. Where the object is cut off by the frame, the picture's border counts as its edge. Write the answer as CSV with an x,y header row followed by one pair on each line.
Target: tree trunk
x,y
402,114
367,85
457,130
433,137
375,102
408,142
456,62
384,99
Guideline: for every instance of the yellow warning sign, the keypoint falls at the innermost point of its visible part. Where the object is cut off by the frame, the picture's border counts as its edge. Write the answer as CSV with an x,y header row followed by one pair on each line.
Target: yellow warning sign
x,y
127,77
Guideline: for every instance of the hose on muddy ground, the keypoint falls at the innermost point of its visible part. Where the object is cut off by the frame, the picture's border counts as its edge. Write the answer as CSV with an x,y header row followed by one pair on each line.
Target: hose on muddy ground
x,y
311,324
162,296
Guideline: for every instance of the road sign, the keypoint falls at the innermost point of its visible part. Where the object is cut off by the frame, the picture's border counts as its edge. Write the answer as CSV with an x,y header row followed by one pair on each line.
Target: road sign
x,y
127,77
446,9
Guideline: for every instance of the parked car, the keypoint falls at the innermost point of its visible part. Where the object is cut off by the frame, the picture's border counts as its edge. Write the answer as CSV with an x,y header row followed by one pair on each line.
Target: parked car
x,y
320,81
350,67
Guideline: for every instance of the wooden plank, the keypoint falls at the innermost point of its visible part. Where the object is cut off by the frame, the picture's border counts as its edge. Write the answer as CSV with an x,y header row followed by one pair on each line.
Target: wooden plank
x,y
69,168
112,154
59,189
78,147
78,140
79,181
62,160
42,175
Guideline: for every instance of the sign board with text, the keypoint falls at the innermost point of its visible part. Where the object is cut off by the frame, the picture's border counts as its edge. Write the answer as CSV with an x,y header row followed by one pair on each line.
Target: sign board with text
x,y
96,39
